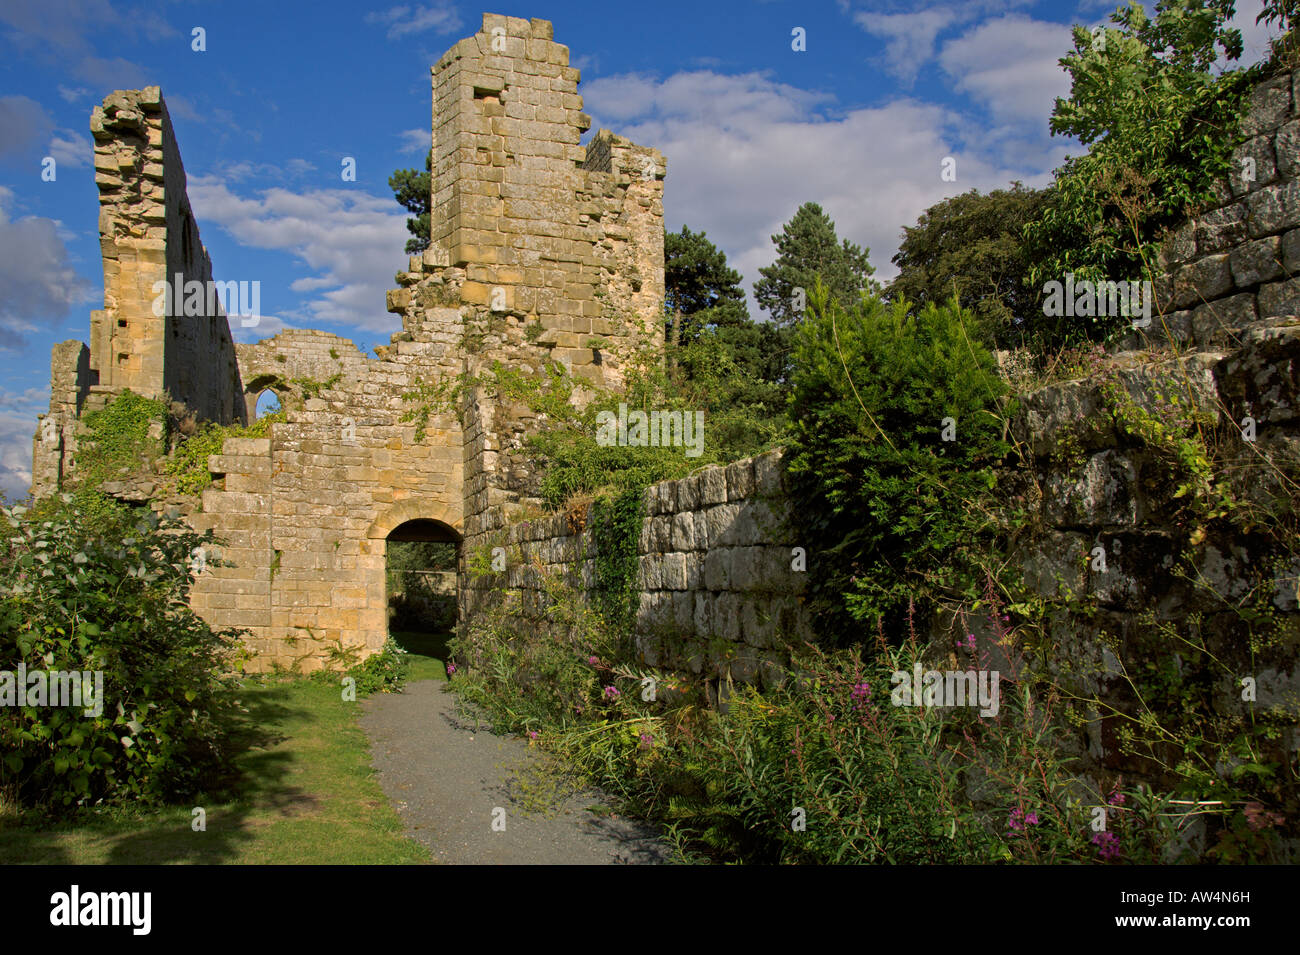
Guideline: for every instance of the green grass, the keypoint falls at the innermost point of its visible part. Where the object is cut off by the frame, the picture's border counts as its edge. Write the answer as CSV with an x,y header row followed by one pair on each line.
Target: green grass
x,y
307,794
428,653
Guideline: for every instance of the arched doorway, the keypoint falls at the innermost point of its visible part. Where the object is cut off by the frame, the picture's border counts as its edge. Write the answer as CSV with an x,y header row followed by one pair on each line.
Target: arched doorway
x,y
421,560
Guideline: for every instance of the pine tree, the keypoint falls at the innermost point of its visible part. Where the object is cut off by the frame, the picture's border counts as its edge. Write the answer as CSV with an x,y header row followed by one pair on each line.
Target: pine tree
x,y
807,249
699,287
412,189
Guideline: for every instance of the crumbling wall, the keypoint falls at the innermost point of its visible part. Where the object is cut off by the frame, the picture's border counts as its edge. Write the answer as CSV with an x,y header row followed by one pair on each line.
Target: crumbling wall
x,y
536,257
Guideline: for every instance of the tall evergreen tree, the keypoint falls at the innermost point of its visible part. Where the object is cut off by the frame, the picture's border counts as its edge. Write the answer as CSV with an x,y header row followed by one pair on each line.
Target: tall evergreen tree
x,y
807,249
699,287
413,189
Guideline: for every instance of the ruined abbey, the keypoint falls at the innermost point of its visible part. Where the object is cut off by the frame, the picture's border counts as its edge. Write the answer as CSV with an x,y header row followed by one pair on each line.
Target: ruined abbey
x,y
542,250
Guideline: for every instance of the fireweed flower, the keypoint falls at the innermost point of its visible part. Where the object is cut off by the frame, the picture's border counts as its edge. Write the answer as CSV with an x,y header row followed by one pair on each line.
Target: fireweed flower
x,y
1032,818
611,692
1017,820
861,691
969,642
646,740
533,734
592,660
451,668
1107,844
1116,798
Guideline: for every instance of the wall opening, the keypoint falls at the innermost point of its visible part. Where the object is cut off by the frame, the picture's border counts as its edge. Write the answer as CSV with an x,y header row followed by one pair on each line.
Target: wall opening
x,y
420,574
268,402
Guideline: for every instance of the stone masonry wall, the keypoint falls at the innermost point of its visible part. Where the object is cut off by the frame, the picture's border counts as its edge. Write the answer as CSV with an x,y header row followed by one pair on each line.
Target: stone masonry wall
x,y
536,257
720,585
1232,266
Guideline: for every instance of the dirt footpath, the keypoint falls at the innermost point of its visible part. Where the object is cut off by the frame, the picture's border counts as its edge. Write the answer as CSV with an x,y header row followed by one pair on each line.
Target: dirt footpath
x,y
478,799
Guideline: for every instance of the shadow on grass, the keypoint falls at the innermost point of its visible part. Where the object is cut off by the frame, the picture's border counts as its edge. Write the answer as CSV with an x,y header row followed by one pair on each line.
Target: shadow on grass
x,y
134,837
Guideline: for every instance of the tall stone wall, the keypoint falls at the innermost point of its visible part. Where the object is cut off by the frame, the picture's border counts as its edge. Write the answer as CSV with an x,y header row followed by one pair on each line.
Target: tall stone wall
x,y
1231,268
720,576
537,256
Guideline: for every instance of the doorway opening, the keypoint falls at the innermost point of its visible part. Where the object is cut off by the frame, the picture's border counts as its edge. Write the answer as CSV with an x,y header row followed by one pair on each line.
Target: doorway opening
x,y
422,557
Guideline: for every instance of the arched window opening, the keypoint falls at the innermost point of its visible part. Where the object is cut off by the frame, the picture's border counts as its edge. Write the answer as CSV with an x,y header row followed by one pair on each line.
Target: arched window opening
x,y
268,402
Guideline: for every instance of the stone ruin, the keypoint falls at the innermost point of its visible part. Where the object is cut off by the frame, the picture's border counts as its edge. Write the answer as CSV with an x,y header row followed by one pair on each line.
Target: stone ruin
x,y
542,250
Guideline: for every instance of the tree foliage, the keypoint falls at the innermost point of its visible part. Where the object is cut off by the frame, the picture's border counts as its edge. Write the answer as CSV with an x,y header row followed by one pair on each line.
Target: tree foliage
x,y
808,250
1160,125
971,246
414,189
896,427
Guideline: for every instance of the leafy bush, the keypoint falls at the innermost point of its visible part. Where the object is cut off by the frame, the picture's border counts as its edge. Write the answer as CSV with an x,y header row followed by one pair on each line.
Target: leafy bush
x,y
109,593
897,427
188,463
1159,123
119,439
383,672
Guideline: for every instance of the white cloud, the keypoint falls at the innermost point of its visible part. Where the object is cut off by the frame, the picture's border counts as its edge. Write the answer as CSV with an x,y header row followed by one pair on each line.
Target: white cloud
x,y
352,240
414,140
40,285
751,151
70,148
72,94
909,37
402,21
18,411
1011,66
25,124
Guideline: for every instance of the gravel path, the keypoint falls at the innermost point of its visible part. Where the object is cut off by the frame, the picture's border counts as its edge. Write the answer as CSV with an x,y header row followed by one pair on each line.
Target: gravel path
x,y
449,782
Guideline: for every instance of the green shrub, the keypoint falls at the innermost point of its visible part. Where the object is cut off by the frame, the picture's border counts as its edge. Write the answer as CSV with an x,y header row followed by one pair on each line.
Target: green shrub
x,y
107,592
188,463
117,439
384,672
897,427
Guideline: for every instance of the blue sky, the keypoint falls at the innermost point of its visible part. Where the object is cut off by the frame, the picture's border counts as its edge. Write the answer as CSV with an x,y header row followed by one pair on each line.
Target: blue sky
x,y
860,122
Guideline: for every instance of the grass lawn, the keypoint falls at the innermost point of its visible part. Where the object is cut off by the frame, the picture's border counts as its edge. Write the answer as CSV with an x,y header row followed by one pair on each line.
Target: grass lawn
x,y
307,795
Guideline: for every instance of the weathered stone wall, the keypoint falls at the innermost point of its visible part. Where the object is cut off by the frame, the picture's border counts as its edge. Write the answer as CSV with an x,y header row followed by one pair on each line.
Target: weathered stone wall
x,y
720,581
1230,268
535,258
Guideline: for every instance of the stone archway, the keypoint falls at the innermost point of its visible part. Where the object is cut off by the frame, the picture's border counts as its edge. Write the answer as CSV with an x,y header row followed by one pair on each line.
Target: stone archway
x,y
421,561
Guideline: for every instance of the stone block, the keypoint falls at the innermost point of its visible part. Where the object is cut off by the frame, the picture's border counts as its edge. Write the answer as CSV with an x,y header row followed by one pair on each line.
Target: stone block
x,y
1221,229
1273,209
1257,261
717,569
1267,107
1253,164
683,538
1100,494
740,480
1210,322
767,473
713,485
1202,280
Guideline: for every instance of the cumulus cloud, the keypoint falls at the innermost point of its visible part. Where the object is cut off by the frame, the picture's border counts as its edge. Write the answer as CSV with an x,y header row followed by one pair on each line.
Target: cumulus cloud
x,y
403,21
18,411
351,240
1011,66
909,37
751,151
70,148
40,285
